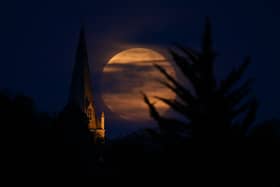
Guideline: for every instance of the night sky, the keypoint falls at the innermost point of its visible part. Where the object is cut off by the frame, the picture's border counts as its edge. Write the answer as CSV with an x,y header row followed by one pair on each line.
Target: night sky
x,y
39,40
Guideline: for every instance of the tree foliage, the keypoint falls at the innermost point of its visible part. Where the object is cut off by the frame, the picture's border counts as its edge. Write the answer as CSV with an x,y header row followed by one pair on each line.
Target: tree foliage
x,y
212,108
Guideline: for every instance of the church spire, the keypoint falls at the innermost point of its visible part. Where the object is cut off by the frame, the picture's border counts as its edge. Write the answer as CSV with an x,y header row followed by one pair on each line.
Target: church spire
x,y
81,90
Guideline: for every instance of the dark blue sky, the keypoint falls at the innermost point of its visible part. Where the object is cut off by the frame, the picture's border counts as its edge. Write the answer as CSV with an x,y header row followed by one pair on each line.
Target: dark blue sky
x,y
38,41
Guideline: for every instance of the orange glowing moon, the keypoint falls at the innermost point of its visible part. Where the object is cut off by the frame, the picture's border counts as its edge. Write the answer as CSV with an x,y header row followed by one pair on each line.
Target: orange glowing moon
x,y
126,75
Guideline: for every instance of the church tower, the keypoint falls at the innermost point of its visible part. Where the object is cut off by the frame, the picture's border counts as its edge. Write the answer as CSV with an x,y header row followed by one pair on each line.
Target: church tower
x,y
81,90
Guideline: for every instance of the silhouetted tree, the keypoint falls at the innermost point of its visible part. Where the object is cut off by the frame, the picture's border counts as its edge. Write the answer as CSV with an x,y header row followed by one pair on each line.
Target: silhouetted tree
x,y
212,108
19,134
17,117
38,145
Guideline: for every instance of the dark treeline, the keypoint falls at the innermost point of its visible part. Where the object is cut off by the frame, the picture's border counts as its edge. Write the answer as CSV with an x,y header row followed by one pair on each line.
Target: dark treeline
x,y
36,145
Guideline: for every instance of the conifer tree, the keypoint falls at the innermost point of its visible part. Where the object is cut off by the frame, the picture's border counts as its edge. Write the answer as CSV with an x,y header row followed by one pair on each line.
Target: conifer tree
x,y
212,108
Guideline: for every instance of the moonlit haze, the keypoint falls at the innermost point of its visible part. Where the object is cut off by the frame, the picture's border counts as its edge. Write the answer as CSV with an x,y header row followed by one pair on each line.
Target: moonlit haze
x,y
126,75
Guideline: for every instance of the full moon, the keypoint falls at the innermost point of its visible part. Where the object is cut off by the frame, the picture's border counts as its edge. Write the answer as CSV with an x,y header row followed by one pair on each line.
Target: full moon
x,y
129,73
